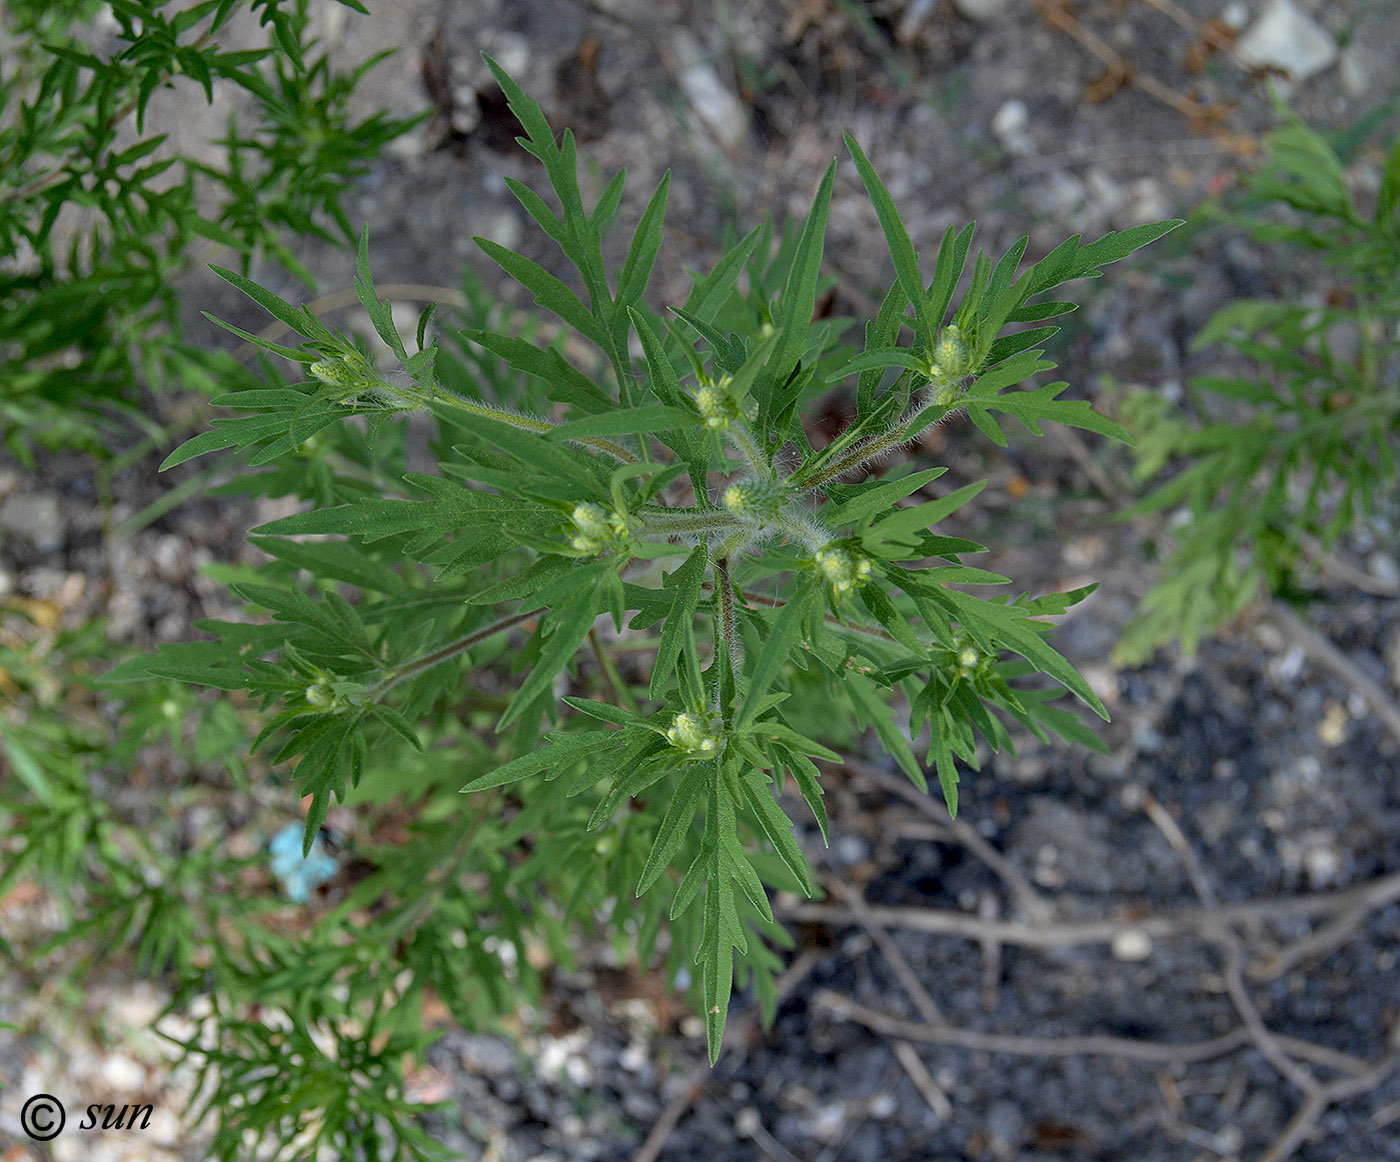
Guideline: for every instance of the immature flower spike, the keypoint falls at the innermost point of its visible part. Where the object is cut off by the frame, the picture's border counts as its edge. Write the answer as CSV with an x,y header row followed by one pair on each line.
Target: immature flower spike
x,y
697,734
349,369
950,362
755,502
322,696
334,373
715,405
968,660
598,528
844,570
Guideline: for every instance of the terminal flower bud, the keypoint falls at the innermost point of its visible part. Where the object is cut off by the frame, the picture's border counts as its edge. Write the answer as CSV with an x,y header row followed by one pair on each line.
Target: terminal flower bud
x,y
334,373
949,363
968,660
843,569
755,502
715,405
322,696
697,734
598,528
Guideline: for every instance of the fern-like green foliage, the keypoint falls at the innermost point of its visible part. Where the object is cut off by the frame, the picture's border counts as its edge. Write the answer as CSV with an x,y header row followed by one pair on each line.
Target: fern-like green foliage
x,y
666,485
99,217
1274,464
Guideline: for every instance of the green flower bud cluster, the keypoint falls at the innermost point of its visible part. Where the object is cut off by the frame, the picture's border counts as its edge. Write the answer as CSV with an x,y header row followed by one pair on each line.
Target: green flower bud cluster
x,y
950,362
349,370
598,528
843,569
968,661
716,406
697,734
323,696
755,502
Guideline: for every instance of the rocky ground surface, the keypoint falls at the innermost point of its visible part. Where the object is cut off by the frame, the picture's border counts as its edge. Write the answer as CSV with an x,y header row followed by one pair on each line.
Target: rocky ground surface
x,y
1185,949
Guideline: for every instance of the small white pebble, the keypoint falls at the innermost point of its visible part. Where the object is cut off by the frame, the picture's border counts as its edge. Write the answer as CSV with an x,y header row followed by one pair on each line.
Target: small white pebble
x,y
1322,863
1332,730
828,1122
1132,944
122,1074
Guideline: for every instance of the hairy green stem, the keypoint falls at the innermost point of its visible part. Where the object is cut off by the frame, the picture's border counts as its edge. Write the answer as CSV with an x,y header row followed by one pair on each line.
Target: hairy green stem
x,y
831,619
451,650
868,449
747,448
620,691
864,452
733,544
671,521
729,633
527,423
801,526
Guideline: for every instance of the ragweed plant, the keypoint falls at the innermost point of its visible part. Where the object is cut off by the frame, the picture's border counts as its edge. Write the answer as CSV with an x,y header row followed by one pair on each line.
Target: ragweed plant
x,y
1277,462
661,497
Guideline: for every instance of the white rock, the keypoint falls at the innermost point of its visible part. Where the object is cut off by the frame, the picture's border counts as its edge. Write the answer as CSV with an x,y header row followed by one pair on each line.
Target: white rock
x,y
1132,944
718,109
980,9
828,1121
1106,193
512,52
1384,567
1147,201
1322,861
1353,71
35,516
1009,125
122,1074
1287,39
914,18
1235,14
139,1008
165,1127
747,1121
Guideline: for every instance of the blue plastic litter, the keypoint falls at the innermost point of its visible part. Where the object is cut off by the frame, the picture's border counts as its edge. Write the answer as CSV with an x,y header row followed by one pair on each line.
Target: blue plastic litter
x,y
300,875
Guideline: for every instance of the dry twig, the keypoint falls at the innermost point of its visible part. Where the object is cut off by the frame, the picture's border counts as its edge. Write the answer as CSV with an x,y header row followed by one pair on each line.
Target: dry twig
x,y
899,965
737,1033
917,1072
1317,1104
1089,1046
1217,929
1030,901
1092,1045
1376,894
